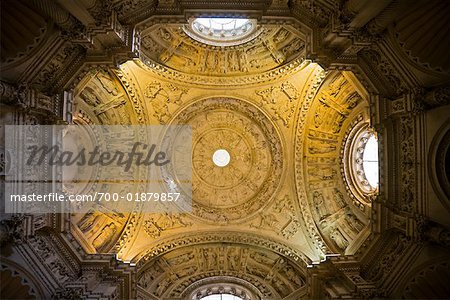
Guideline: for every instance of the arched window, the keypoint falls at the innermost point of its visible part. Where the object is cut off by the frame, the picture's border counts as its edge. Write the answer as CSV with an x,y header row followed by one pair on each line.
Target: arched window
x,y
360,160
222,31
370,161
221,297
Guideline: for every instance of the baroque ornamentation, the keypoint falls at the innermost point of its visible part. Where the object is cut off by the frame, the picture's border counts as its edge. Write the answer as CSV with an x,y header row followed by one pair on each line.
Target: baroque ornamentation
x,y
248,182
197,79
333,103
407,178
281,219
171,46
157,223
172,273
161,97
311,227
280,100
214,237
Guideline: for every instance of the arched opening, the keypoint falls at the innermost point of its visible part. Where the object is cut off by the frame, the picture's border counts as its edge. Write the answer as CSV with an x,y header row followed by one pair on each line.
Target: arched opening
x,y
221,31
370,161
222,297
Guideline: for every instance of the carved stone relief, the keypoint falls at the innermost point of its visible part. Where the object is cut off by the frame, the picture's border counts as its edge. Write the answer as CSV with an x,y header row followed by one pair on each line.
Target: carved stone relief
x,y
171,274
280,218
162,97
171,46
234,192
157,223
280,100
273,141
329,204
103,100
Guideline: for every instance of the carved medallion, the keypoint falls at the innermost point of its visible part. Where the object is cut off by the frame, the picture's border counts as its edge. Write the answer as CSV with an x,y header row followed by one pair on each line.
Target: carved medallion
x,y
252,175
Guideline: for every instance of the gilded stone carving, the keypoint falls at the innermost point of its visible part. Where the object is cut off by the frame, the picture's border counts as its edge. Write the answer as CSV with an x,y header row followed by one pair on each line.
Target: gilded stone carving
x,y
285,200
105,236
339,239
178,242
186,264
157,223
234,192
88,221
162,97
280,100
174,48
280,219
333,104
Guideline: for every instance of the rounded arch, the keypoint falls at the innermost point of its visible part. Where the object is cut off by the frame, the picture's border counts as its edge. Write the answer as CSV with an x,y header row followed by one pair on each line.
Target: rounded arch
x,y
221,285
194,238
17,281
102,97
426,280
324,120
439,162
187,270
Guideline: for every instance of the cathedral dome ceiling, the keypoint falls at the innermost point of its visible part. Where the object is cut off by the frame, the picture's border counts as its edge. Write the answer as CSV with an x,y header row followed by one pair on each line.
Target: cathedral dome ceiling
x,y
281,105
238,190
283,184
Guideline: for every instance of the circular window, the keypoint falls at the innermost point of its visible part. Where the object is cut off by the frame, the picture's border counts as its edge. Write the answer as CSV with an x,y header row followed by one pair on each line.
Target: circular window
x,y
361,165
221,158
222,31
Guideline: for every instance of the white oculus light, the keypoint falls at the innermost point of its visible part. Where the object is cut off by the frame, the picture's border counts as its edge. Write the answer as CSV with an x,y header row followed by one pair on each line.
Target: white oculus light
x,y
222,31
221,158
370,161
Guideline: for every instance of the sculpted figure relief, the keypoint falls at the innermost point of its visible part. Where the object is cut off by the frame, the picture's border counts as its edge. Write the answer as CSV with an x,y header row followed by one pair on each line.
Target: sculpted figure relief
x,y
158,223
322,173
280,100
231,192
114,103
339,239
210,258
149,276
90,98
179,51
316,148
88,221
105,236
233,258
161,96
290,273
320,204
336,86
353,222
267,221
165,276
107,84
339,198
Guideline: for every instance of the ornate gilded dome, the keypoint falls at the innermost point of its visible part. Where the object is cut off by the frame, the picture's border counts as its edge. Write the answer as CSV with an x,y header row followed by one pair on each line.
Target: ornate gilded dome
x,y
236,191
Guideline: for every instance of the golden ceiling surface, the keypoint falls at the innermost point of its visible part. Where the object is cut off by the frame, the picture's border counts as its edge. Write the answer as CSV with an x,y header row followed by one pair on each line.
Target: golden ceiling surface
x,y
283,192
239,189
171,46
